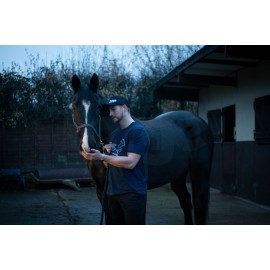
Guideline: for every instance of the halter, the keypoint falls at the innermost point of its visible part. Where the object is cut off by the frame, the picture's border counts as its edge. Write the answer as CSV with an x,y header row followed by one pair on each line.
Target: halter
x,y
97,134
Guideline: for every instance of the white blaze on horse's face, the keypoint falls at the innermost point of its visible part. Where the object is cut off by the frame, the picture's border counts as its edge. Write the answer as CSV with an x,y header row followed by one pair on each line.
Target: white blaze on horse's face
x,y
85,144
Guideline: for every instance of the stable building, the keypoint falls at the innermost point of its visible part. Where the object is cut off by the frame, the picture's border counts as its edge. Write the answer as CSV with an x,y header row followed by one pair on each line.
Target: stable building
x,y
232,87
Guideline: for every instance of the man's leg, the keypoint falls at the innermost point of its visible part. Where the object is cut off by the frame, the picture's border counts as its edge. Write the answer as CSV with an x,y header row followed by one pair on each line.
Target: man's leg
x,y
115,212
134,208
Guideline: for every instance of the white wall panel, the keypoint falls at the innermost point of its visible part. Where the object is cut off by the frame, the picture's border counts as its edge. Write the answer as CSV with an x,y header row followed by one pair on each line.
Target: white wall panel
x,y
252,83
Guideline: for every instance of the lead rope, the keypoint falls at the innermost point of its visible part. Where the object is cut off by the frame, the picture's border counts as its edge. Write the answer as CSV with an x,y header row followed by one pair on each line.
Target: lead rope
x,y
103,200
99,133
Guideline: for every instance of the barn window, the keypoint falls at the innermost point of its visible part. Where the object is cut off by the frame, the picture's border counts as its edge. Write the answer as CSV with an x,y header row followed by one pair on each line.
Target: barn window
x,y
222,123
262,119
214,122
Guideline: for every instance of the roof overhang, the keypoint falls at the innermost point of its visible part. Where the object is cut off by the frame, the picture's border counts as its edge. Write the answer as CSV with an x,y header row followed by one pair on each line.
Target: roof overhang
x,y
212,65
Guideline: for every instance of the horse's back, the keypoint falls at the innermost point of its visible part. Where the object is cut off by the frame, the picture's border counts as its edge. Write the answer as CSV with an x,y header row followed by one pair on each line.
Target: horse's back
x,y
195,128
174,137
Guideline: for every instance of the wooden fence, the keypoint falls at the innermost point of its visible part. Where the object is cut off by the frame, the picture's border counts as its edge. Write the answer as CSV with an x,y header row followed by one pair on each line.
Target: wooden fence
x,y
42,145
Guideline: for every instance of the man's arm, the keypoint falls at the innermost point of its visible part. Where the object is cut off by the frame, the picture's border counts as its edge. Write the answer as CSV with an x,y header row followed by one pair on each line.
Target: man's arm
x,y
126,162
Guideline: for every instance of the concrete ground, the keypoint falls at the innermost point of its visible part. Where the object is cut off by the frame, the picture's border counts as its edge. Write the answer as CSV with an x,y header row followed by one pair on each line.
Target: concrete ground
x,y
60,205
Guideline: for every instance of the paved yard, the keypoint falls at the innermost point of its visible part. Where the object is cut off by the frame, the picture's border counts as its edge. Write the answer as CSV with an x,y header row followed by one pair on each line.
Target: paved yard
x,y
61,205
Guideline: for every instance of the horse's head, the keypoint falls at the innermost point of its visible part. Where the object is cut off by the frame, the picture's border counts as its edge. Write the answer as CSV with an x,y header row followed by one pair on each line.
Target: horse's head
x,y
86,106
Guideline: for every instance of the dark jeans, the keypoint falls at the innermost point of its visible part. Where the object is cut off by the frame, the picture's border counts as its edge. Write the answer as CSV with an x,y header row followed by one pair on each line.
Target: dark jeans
x,y
127,209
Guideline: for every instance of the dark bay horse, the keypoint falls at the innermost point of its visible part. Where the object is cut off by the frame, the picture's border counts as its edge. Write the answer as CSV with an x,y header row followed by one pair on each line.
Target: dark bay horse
x,y
180,143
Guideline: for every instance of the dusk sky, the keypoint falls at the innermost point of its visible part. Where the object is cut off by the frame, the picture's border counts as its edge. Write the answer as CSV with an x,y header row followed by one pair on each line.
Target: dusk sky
x,y
18,53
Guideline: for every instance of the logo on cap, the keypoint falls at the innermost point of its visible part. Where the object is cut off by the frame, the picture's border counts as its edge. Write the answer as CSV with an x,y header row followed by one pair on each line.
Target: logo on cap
x,y
112,101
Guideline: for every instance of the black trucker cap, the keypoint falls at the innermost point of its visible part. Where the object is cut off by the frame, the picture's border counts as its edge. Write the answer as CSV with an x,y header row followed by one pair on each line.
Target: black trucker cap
x,y
116,100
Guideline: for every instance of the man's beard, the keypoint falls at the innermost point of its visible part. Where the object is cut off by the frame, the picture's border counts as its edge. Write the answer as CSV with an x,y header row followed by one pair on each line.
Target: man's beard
x,y
117,120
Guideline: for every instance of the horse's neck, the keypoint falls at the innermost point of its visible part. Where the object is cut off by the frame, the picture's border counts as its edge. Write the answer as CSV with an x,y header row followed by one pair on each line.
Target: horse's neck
x,y
107,126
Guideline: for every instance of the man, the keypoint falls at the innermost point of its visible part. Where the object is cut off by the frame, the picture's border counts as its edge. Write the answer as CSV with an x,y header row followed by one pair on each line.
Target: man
x,y
126,162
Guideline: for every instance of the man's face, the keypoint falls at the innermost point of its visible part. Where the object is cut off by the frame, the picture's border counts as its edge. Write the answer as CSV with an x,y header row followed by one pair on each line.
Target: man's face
x,y
116,113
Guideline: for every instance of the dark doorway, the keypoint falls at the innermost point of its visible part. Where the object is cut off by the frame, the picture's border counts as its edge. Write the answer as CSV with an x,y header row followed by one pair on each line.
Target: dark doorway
x,y
228,123
262,120
214,122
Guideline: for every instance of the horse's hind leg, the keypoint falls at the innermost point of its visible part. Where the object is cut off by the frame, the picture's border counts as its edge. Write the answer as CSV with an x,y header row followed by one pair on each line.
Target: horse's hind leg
x,y
199,174
200,194
180,189
200,169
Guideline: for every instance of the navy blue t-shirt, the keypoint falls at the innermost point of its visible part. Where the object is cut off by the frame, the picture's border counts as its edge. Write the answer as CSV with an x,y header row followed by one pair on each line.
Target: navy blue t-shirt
x,y
133,139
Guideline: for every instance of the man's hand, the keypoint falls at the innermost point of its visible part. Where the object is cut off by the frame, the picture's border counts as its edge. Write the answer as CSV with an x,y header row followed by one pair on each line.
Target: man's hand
x,y
92,155
109,147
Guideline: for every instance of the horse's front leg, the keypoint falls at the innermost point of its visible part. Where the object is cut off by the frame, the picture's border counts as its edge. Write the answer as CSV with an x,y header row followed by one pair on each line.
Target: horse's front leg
x,y
98,173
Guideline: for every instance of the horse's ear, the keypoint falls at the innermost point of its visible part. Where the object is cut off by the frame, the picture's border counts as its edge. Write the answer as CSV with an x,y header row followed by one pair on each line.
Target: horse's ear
x,y
94,82
75,83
